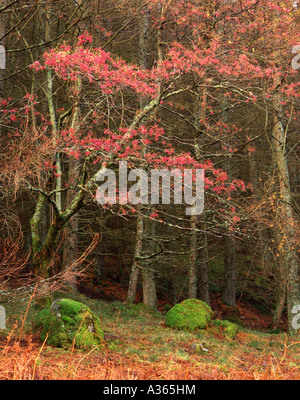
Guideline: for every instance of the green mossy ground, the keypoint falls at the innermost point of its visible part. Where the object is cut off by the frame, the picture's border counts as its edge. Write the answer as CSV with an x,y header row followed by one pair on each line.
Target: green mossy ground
x,y
69,322
135,333
230,329
191,314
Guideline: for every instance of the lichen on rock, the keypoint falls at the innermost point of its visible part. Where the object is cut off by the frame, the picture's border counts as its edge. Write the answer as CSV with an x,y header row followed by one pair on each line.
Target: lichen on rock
x,y
67,322
191,314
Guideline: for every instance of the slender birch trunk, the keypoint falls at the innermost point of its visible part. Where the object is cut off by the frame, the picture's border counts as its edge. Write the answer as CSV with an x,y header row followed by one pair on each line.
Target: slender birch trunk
x,y
288,222
51,107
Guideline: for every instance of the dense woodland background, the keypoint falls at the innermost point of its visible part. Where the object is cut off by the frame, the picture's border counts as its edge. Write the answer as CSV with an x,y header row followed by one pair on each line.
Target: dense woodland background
x,y
159,84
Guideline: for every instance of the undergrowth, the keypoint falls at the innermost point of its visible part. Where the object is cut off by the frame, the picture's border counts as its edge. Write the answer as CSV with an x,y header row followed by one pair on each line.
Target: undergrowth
x,y
139,345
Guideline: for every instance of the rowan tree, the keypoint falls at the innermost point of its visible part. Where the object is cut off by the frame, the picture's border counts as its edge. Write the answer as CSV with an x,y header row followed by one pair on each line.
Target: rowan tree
x,y
159,84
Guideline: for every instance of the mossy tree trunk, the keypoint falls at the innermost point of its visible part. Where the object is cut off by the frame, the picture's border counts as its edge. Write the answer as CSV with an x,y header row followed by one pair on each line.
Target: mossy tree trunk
x,y
43,249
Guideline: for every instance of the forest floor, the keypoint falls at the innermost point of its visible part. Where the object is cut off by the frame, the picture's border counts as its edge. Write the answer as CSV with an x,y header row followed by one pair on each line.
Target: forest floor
x,y
139,346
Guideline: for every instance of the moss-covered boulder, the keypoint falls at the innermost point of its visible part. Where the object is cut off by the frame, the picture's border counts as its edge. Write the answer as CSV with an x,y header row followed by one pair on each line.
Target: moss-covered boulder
x,y
230,329
67,322
191,314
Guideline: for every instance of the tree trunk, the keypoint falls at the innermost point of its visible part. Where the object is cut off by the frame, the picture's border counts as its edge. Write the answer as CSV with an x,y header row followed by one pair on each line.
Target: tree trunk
x,y
266,256
203,271
142,245
135,270
281,297
198,271
230,266
193,259
149,287
148,269
172,290
3,3
72,227
70,252
285,210
229,292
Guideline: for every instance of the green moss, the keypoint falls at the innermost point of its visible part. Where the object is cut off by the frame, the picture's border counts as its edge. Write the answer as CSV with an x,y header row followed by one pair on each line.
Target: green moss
x,y
167,307
71,307
136,309
275,331
230,329
67,322
189,315
234,319
42,318
257,345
